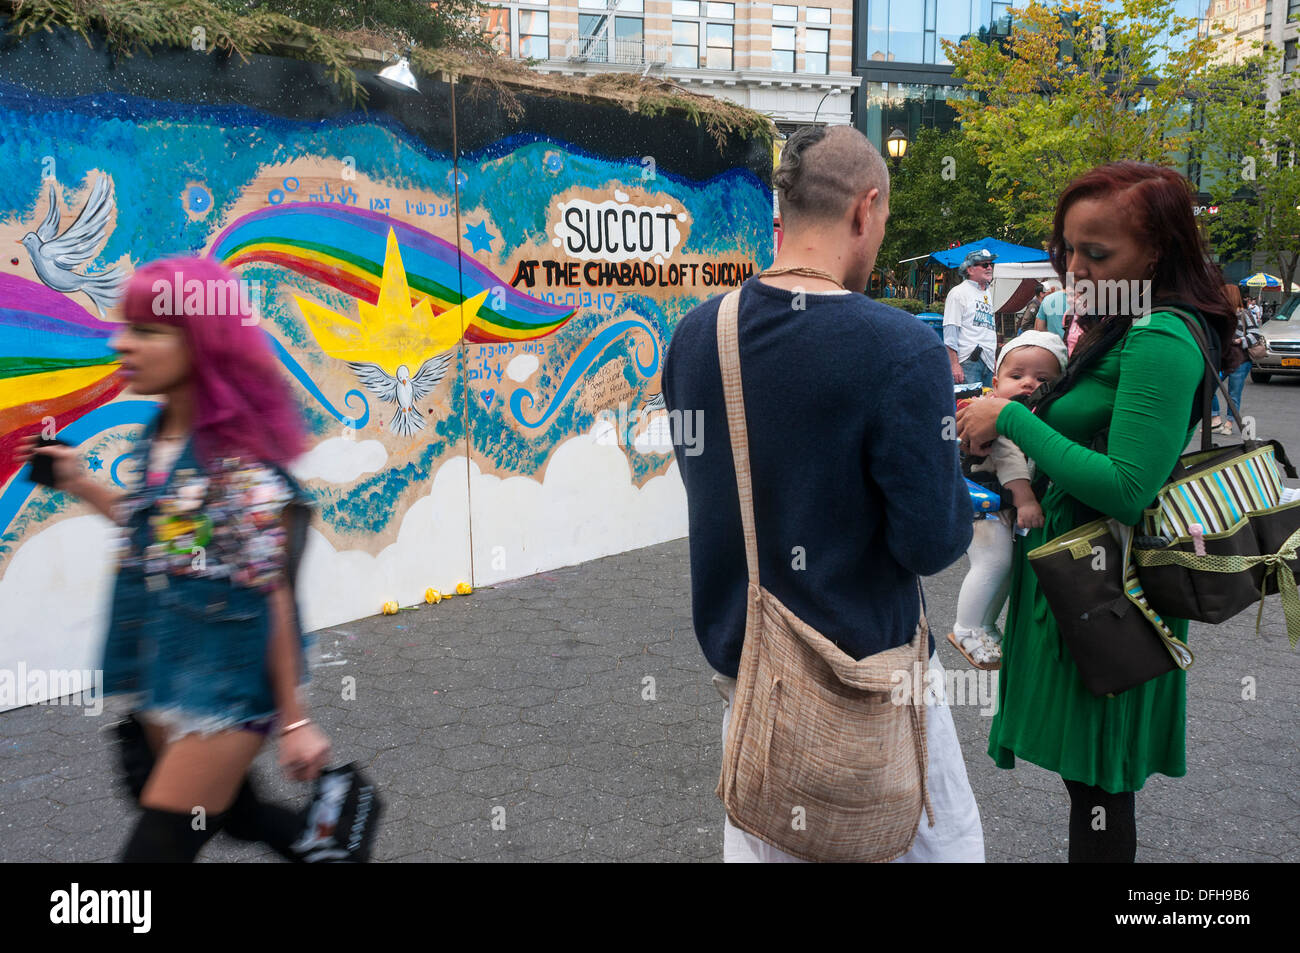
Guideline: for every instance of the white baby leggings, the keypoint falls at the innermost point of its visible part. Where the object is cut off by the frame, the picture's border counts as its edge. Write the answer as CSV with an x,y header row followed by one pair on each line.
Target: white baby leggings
x,y
984,590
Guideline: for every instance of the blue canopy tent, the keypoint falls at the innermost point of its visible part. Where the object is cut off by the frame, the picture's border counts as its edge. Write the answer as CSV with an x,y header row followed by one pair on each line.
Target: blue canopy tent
x,y
1005,252
1018,289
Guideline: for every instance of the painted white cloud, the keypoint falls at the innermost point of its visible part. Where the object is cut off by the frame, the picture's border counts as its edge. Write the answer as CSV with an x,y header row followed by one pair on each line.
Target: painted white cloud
x,y
522,367
56,591
431,550
586,508
56,595
337,460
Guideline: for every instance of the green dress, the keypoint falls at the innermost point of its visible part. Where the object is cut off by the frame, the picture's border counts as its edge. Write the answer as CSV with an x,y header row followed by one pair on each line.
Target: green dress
x,y
1143,389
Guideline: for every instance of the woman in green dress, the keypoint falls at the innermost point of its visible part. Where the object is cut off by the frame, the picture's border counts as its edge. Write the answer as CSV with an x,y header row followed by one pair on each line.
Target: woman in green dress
x,y
1134,377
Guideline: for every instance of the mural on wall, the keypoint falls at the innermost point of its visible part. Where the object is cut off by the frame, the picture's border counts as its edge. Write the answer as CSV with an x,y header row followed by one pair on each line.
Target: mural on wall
x,y
475,340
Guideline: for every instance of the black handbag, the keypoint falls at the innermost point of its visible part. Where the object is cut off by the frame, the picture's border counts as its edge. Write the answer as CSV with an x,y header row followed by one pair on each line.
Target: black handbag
x,y
339,824
1089,580
1116,641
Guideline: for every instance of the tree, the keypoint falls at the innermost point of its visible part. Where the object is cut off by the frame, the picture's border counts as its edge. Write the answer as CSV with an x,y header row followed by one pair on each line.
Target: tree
x,y
1076,85
1247,150
937,196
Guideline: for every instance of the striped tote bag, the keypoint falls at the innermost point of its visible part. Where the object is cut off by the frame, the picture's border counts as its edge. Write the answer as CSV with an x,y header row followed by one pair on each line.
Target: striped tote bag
x,y
1218,538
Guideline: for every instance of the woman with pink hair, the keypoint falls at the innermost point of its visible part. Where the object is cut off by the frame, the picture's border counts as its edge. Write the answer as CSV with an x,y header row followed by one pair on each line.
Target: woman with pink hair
x,y
204,629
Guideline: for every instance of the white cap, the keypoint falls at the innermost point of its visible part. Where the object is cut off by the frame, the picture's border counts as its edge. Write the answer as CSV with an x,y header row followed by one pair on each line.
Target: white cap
x,y
1047,340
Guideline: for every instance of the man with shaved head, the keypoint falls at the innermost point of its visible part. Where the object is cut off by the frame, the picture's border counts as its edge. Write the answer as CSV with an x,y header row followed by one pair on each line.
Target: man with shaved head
x,y
857,490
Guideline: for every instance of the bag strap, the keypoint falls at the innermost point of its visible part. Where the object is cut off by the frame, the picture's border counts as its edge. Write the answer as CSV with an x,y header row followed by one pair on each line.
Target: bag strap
x,y
734,394
1212,378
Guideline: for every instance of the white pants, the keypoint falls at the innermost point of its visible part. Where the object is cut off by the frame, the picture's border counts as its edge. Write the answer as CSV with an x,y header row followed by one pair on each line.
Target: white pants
x,y
984,590
956,837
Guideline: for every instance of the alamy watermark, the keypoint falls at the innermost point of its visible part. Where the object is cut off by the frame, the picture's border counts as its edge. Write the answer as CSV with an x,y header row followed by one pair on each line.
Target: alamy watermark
x,y
928,686
52,686
1108,297
212,296
685,428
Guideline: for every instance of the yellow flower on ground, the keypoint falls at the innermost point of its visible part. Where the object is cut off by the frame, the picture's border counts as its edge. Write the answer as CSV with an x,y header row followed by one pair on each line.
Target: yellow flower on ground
x,y
464,588
390,608
432,596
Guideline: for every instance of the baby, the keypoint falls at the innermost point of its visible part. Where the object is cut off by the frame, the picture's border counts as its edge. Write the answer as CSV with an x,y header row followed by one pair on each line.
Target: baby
x,y
1025,364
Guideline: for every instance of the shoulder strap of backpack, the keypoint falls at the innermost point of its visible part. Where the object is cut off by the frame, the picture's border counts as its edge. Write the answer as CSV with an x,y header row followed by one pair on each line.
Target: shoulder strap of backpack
x,y
1212,379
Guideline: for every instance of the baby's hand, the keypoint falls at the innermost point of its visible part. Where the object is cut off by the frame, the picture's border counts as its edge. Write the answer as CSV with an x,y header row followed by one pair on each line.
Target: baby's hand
x,y
1029,516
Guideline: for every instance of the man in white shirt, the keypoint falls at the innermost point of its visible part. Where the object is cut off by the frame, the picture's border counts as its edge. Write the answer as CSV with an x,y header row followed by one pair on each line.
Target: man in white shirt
x,y
968,329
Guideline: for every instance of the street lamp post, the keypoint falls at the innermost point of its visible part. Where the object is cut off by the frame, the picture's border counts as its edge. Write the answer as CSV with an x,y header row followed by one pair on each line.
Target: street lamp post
x,y
896,144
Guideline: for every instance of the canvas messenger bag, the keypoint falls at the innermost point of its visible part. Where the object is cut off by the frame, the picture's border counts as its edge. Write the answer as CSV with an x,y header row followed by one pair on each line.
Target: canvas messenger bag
x,y
819,760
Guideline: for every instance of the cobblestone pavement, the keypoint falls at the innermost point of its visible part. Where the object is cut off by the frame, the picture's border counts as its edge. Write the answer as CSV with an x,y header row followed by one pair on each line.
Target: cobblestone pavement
x,y
534,697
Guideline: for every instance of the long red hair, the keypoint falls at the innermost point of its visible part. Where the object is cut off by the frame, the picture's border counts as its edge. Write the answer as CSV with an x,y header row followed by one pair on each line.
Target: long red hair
x,y
243,404
1160,202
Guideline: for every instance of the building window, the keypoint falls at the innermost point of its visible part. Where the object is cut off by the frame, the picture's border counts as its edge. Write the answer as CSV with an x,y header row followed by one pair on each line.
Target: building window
x,y
497,27
629,39
783,14
534,34
699,44
817,46
818,14
1001,25
718,39
783,49
603,38
885,106
686,44
591,37
953,23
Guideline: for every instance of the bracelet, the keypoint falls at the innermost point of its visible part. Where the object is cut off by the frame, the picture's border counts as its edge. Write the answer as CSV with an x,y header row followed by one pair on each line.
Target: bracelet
x,y
297,724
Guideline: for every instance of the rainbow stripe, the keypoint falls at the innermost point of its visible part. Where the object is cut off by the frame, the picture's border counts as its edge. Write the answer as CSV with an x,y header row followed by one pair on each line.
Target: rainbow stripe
x,y
54,362
344,249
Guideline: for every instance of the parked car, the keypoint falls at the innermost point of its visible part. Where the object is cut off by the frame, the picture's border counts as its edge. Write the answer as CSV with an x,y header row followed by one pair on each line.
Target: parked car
x,y
1282,334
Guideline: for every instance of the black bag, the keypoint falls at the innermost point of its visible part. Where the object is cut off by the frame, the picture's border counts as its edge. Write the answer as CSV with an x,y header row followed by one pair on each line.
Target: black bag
x,y
340,822
1085,576
1216,540
1090,582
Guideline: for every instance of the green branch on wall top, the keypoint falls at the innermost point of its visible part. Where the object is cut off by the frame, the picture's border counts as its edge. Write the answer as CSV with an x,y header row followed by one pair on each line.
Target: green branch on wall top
x,y
242,28
132,25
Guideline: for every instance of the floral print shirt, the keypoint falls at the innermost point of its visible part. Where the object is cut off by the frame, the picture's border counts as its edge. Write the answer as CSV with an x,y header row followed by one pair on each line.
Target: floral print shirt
x,y
222,524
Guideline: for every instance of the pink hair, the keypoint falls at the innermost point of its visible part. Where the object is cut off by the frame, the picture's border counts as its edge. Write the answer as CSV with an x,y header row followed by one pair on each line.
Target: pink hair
x,y
243,405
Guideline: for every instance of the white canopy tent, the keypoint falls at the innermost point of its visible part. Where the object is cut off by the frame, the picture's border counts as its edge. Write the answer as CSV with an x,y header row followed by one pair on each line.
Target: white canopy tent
x,y
1007,278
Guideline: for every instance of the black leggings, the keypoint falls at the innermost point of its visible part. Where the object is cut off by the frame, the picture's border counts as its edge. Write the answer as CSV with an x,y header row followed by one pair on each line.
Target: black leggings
x,y
169,836
166,836
1105,836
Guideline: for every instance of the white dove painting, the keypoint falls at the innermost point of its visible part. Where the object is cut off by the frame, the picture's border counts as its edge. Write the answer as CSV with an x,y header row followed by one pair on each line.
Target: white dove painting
x,y
403,389
54,255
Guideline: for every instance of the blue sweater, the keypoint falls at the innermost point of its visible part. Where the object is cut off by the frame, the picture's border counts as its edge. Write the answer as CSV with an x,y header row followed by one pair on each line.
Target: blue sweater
x,y
857,485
